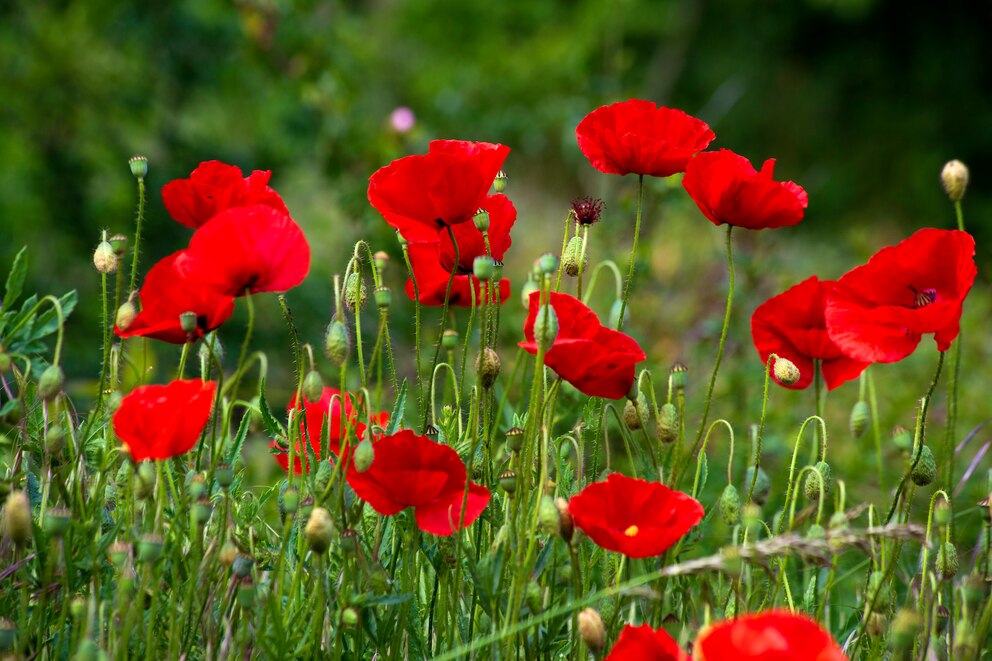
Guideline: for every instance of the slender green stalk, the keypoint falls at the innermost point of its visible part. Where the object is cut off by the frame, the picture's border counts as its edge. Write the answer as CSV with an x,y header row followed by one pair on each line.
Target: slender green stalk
x,y
444,317
633,254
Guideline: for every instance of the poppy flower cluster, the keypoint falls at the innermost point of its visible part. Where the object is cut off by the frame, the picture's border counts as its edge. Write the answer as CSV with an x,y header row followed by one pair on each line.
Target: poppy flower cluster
x,y
597,360
164,421
214,187
413,471
768,636
635,517
338,413
642,643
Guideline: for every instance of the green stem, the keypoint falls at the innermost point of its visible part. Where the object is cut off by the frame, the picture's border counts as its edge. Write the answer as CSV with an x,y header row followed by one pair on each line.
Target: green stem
x,y
444,316
137,234
633,253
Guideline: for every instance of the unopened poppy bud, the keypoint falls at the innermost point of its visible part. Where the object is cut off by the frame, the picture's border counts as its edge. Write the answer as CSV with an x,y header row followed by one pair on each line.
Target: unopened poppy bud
x,y
954,178
114,401
926,468
187,321
515,438
54,440
572,259
104,258
730,505
591,629
548,518
17,518
119,243
877,623
859,418
546,327
499,183
904,629
878,590
211,349
355,292
902,438
50,383
200,511
482,268
947,561
449,340
751,515
313,388
838,521
481,220
383,297
224,474
534,597
150,547
547,263
349,617
319,530
633,391
529,288
785,371
816,531
325,470
667,424
126,314
811,487
228,553
364,456
942,513
289,501
489,367
635,413
762,484
508,481
145,484
139,166
381,259
337,342
245,594
77,607
565,525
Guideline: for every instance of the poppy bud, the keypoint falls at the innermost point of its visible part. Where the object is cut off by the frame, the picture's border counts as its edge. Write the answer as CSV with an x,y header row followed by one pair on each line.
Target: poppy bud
x,y
572,259
926,468
947,561
337,342
679,376
145,484
508,481
751,515
224,474
762,484
546,327
54,440
313,388
615,313
547,263
245,594
838,521
816,531
785,371
529,288
566,527
349,617
481,220
515,438
859,418
383,297
381,259
877,624
325,470
119,243
228,553
730,505
289,501
904,628
104,258
355,292
242,565
942,513
200,511
499,183
4,360
364,455
50,383
811,486
489,367
902,438
197,486
591,629
878,590
139,166
954,178
634,390
125,315
17,518
319,530
211,346
667,424
150,547
635,415
534,597
77,607
482,268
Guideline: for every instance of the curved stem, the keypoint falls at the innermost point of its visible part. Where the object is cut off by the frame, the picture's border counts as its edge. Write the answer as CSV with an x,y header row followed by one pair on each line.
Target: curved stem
x,y
444,316
633,252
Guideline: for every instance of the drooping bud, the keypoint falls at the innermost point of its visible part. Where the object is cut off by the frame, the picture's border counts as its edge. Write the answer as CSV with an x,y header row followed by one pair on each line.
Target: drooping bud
x,y
591,629
762,484
635,415
546,327
785,371
954,178
449,339
489,367
349,617
547,263
313,388
139,166
17,518
508,481
187,321
902,438
355,292
364,455
548,518
947,561
499,183
125,315
926,468
383,297
942,513
337,342
50,382
859,418
481,220
104,258
319,530
667,424
566,527
572,259
730,505
529,288
515,438
381,259
482,268
811,487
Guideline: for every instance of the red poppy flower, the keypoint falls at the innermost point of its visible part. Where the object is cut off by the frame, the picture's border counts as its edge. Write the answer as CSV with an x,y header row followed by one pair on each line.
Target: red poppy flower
x,y
879,311
635,517
420,194
316,413
214,187
471,243
598,361
769,636
432,280
645,644
638,137
165,295
414,471
728,190
160,422
254,248
792,325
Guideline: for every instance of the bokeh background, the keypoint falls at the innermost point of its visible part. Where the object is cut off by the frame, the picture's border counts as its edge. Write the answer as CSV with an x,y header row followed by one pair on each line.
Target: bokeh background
x,y
861,102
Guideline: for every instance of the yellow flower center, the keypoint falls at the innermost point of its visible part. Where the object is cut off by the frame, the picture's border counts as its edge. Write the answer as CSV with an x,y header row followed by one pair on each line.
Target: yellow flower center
x,y
631,531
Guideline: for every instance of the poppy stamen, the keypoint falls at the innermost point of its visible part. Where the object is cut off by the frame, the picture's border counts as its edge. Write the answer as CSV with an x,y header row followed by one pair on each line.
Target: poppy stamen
x,y
923,297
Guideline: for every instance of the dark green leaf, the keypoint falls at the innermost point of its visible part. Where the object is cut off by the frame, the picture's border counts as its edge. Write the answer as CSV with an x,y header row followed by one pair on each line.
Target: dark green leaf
x,y
15,279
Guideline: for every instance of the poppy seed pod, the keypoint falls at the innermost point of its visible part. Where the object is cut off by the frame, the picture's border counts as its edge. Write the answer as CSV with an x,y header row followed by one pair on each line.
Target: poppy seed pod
x,y
635,413
355,292
150,547
667,425
126,314
337,342
785,371
926,468
508,481
859,418
482,268
50,382
383,297
224,474
449,340
187,321
119,243
364,456
200,511
499,183
954,178
546,327
17,518
591,629
489,367
104,258
481,220
811,487
534,597
319,530
313,388
730,505
139,166
54,440
947,561
515,438
572,259
679,376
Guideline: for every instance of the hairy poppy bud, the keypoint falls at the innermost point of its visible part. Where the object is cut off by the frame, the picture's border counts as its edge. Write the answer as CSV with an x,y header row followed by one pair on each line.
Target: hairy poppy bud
x,y
548,518
816,531
572,259
150,547
762,484
481,220
947,561
489,367
942,513
482,268
54,440
838,521
50,383
381,259
211,349
125,315
508,481
449,340
337,342
529,288
635,415
313,389
139,166
104,258
319,530
547,263
785,371
679,376
383,297
566,527
355,292
515,438
591,629
902,438
364,456
546,327
289,501
349,617
926,468
17,518
667,425
954,178
499,183
730,505
811,487
904,628
859,418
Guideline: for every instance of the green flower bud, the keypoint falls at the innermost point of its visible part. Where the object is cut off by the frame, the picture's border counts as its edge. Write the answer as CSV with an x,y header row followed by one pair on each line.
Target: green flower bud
x,y
534,597
547,263
499,183
481,221
762,485
197,486
508,481
77,607
947,561
313,388
200,511
289,502
228,553
546,327
348,540
139,166
224,474
515,438
548,518
482,268
636,415
246,593
529,288
17,518
306,508
319,530
50,383
126,315
811,487
54,440
242,565
942,513
785,371
383,297
349,617
859,419
566,526
572,259
816,531
954,179
150,547
730,505
879,591
838,521
104,258
355,292
904,629
667,424
325,470
902,438
119,552
877,624
449,340
489,366
591,630
751,515
337,342
364,456
926,468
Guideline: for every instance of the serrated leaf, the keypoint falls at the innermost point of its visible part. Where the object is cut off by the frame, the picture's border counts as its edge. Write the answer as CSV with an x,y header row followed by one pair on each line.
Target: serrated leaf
x,y
48,321
239,439
272,426
15,279
396,416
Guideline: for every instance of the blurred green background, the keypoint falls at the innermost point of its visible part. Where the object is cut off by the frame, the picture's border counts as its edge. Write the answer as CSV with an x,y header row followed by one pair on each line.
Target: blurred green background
x,y
861,102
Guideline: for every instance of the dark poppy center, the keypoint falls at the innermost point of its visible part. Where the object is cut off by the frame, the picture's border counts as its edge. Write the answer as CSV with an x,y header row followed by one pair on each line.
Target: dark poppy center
x,y
923,297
